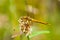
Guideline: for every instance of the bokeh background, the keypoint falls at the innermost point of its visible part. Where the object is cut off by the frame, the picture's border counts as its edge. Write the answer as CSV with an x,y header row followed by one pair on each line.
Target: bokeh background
x,y
42,10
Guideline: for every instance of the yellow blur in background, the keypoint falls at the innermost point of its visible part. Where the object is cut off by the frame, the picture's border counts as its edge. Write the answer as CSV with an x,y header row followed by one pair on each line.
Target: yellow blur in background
x,y
42,10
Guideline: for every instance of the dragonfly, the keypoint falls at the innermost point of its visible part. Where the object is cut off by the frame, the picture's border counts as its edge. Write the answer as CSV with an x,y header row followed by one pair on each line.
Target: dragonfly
x,y
25,23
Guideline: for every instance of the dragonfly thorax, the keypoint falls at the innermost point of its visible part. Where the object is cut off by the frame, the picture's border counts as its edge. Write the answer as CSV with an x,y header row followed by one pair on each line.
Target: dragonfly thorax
x,y
25,25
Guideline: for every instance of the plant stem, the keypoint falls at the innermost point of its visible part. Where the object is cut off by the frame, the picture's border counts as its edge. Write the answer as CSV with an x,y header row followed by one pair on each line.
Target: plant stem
x,y
28,37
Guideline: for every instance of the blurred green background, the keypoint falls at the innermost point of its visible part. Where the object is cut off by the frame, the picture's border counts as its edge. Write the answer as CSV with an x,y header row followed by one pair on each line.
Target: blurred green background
x,y
42,10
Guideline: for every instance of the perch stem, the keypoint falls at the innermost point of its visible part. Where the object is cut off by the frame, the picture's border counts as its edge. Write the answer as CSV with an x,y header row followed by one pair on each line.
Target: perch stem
x,y
28,37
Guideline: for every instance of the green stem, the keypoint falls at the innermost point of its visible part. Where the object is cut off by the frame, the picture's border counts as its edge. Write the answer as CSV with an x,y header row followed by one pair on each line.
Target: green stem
x,y
28,37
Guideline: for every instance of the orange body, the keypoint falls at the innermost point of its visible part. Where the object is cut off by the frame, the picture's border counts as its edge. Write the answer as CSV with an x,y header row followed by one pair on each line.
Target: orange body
x,y
26,24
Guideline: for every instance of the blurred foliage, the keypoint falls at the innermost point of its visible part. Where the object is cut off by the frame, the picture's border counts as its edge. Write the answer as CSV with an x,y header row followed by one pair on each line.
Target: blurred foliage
x,y
48,11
